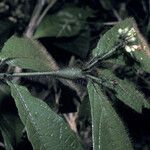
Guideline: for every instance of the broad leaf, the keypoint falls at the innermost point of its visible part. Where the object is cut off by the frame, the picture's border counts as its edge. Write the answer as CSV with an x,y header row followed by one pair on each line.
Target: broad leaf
x,y
109,39
78,45
143,53
143,57
10,124
108,131
45,129
26,53
67,22
126,91
84,109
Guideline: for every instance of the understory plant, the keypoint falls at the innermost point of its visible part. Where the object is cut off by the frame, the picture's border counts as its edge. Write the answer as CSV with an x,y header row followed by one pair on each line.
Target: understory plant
x,y
109,79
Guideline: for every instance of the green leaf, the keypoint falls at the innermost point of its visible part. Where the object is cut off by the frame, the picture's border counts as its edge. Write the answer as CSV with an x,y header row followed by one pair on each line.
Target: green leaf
x,y
11,128
109,39
65,23
8,139
108,131
143,57
5,26
142,54
45,129
4,92
27,54
78,45
84,109
126,92
6,30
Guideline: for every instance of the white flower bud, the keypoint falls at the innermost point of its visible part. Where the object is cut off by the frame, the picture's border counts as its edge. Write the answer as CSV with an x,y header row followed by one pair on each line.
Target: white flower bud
x,y
132,39
132,49
126,30
129,34
128,49
120,31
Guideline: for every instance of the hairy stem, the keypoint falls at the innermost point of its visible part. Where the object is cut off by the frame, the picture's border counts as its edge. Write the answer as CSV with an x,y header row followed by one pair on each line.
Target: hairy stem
x,y
68,73
97,59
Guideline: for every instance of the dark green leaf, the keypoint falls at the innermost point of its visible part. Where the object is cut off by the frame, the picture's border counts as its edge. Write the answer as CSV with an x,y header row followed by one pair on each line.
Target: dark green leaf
x,y
108,131
4,92
109,39
11,128
78,45
6,30
45,129
26,53
126,92
84,109
143,57
67,22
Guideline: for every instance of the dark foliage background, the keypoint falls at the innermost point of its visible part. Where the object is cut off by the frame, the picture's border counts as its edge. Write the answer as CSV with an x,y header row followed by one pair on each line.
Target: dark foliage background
x,y
14,18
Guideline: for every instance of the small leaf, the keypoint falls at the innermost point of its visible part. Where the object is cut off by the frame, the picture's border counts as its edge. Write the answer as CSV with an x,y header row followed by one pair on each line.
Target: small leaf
x,y
108,131
45,129
126,92
67,22
27,54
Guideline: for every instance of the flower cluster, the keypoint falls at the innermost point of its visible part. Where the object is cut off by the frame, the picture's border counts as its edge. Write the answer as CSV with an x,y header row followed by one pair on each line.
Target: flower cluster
x,y
129,37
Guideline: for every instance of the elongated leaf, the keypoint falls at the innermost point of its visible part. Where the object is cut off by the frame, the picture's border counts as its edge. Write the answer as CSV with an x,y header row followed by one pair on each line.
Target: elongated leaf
x,y
127,92
26,53
143,53
108,132
67,22
84,109
143,56
8,138
107,42
11,128
109,39
45,129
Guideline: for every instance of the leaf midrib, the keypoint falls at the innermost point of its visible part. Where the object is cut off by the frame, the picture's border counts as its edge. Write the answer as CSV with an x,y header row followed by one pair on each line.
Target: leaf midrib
x,y
32,118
